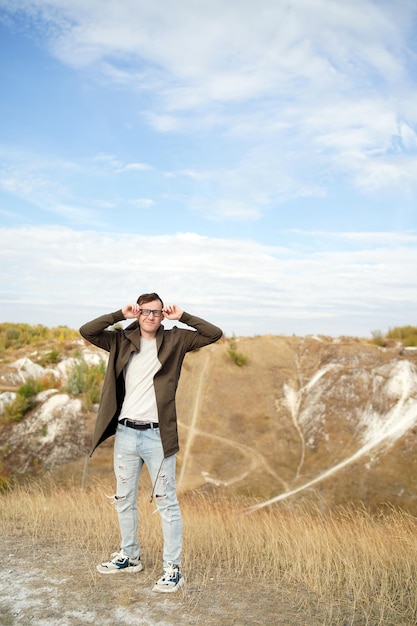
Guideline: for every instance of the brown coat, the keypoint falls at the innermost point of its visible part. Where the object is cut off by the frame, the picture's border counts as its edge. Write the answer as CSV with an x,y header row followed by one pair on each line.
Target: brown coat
x,y
172,346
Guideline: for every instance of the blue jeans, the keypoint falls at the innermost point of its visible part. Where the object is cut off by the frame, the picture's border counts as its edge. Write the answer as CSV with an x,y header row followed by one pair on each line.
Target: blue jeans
x,y
133,448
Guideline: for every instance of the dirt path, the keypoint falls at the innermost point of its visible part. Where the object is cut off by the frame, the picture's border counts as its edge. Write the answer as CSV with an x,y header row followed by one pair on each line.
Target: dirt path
x,y
58,586
194,418
255,458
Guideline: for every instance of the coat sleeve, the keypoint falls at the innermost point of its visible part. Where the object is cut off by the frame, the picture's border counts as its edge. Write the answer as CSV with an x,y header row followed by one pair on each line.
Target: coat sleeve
x,y
206,333
95,331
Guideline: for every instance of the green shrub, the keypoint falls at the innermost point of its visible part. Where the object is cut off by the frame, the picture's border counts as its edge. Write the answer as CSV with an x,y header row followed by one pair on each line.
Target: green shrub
x,y
25,399
85,380
17,409
237,357
51,358
406,334
30,388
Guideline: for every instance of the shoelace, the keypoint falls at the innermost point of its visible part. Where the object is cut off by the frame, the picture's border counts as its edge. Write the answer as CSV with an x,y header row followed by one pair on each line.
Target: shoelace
x,y
170,571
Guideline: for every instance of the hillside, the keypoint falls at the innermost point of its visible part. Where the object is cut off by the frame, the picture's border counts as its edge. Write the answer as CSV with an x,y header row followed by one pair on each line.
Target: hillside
x,y
303,418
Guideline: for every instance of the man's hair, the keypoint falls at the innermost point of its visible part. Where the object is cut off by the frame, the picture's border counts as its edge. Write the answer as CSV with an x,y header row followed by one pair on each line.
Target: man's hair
x,y
149,297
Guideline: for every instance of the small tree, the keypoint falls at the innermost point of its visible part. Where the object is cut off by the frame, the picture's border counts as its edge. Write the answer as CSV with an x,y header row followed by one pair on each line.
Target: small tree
x,y
237,357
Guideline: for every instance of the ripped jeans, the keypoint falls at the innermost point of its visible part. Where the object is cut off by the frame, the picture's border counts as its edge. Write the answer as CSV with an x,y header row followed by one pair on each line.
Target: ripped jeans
x,y
133,449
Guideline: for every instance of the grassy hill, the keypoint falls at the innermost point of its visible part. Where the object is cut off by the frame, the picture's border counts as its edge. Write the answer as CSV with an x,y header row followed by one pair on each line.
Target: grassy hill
x,y
297,485
295,418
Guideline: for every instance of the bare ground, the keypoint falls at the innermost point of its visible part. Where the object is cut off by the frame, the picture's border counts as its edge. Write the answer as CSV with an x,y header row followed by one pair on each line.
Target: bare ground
x,y
43,586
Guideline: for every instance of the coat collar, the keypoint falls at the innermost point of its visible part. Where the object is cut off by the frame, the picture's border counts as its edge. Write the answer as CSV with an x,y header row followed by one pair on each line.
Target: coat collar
x,y
132,332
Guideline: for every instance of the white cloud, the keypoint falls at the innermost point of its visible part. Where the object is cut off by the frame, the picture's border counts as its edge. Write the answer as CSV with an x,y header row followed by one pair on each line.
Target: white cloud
x,y
220,210
56,275
115,164
312,89
162,122
194,174
138,167
142,203
385,239
40,187
58,188
257,45
238,51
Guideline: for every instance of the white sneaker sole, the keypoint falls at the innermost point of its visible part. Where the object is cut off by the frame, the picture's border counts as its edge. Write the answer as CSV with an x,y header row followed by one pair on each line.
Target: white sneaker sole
x,y
132,569
165,589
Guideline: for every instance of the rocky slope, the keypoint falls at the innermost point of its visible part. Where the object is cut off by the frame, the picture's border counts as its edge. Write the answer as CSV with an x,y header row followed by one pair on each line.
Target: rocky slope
x,y
314,418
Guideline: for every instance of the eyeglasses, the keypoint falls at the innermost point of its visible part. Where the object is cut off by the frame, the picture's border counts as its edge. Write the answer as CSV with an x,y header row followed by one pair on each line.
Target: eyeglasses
x,y
155,312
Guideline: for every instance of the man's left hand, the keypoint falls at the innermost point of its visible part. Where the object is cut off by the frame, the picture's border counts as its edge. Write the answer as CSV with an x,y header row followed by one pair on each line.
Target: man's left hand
x,y
172,312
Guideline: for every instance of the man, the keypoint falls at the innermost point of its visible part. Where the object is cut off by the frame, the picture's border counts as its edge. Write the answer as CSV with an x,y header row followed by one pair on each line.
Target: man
x,y
138,405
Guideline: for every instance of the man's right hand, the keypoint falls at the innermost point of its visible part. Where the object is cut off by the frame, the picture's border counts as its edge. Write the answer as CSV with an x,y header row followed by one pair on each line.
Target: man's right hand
x,y
131,311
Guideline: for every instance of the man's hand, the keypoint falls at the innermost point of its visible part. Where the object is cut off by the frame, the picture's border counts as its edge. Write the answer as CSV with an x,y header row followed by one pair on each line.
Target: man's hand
x,y
172,312
131,310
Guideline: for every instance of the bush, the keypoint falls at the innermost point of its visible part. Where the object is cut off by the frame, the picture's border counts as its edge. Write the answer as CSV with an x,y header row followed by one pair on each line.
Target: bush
x,y
238,358
85,380
25,399
30,388
51,358
406,334
16,410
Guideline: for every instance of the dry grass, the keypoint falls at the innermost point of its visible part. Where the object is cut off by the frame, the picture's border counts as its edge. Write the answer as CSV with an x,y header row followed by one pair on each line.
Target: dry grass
x,y
345,567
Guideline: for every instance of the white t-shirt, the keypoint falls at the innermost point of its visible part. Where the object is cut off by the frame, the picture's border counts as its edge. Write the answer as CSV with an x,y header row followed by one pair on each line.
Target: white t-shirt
x,y
140,400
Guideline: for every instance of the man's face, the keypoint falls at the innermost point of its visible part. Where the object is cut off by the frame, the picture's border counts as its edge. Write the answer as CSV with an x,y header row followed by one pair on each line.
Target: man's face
x,y
150,322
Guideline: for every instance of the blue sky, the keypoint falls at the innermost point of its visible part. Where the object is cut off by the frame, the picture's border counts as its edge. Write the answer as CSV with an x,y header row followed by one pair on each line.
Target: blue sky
x,y
253,162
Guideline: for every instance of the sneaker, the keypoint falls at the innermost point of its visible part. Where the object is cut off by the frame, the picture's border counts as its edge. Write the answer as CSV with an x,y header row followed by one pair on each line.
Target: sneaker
x,y
170,581
119,562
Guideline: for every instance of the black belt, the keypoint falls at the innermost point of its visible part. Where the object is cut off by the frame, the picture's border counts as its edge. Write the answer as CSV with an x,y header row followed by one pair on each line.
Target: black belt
x,y
138,425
